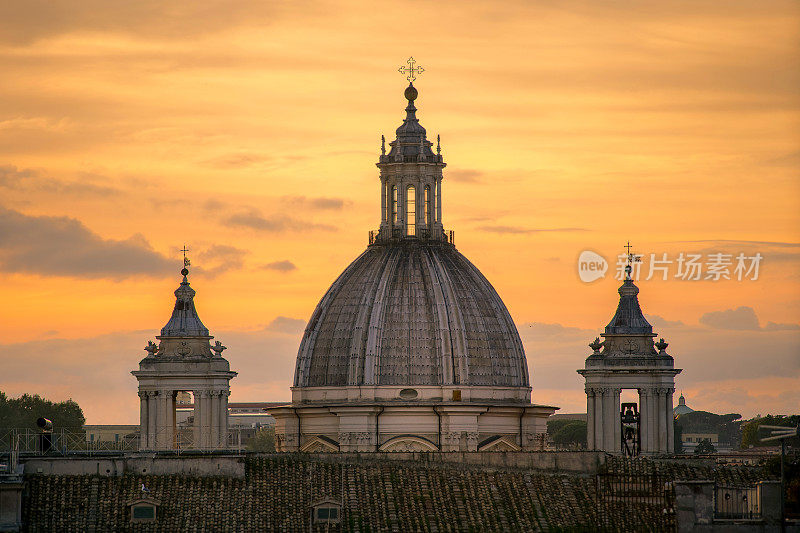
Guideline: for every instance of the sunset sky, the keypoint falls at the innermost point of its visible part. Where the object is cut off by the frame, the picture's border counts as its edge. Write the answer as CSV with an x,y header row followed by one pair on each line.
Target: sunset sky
x,y
250,131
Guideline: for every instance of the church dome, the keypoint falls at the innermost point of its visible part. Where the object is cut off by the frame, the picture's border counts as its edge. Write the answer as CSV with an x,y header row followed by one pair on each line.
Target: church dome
x,y
411,313
411,310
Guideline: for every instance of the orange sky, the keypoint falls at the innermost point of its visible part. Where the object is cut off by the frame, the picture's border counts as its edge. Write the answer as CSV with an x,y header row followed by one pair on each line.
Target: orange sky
x,y
250,133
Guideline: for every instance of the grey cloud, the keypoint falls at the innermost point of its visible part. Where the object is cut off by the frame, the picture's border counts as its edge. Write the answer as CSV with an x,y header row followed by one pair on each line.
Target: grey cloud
x,y
661,322
741,318
11,176
773,326
544,332
264,360
253,219
29,179
744,319
285,324
220,258
465,175
747,243
25,22
64,246
317,203
280,266
514,230
236,160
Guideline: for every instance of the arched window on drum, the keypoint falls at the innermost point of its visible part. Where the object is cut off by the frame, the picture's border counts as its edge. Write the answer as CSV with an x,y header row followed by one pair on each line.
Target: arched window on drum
x,y
428,209
394,204
411,211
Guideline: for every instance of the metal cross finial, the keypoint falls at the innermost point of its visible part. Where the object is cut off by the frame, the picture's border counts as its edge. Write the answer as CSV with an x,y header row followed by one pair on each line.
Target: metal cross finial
x,y
185,259
411,71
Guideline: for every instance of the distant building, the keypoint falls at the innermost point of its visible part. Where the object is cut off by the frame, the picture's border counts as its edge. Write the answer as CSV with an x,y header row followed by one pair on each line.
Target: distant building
x,y
244,418
682,408
110,433
690,441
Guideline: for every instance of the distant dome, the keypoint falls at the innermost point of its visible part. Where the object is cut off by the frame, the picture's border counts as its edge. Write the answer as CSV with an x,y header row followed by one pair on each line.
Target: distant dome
x,y
413,312
682,408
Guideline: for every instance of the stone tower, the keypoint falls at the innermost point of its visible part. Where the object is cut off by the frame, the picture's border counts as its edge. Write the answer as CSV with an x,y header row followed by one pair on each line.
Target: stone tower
x,y
628,358
184,361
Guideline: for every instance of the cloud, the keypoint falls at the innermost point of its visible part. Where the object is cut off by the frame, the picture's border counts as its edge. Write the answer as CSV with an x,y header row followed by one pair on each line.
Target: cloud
x,y
39,19
219,258
735,241
465,175
11,176
514,230
772,326
32,180
543,332
236,160
317,203
253,219
280,266
63,246
287,325
82,369
741,318
661,322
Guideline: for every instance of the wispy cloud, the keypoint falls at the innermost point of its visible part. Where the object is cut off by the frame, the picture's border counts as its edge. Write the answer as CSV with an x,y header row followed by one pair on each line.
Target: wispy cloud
x,y
465,175
320,203
280,266
236,160
32,180
514,230
742,318
253,219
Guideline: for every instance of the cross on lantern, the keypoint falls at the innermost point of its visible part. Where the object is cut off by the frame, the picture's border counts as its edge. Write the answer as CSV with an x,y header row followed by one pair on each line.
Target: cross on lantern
x,y
411,71
185,260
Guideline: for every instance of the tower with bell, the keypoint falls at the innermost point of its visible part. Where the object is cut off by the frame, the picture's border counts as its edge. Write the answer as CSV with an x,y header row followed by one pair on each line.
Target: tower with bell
x,y
628,358
184,361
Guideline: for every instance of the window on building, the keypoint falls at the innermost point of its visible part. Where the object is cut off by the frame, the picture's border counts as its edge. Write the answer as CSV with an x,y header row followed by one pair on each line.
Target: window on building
x,y
116,437
394,204
91,437
428,205
411,211
145,510
326,511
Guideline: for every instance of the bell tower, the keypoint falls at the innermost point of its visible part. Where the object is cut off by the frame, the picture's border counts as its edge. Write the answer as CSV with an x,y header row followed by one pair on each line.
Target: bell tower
x,y
628,358
184,361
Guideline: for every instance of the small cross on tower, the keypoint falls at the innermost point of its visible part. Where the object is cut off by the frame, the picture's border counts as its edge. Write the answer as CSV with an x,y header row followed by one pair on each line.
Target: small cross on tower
x,y
411,71
186,261
632,258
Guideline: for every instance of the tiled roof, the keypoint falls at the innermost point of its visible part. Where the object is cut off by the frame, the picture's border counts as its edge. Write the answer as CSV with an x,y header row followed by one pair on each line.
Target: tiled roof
x,y
278,490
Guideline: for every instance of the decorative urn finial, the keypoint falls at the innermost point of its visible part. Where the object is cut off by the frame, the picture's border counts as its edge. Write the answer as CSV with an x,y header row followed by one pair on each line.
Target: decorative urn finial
x,y
596,346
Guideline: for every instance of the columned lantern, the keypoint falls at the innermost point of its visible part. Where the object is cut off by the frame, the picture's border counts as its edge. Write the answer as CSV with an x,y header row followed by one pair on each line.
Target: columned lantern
x,y
411,348
629,358
184,361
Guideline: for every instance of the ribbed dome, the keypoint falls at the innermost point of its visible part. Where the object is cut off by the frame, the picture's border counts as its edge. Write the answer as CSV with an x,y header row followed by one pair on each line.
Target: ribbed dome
x,y
414,312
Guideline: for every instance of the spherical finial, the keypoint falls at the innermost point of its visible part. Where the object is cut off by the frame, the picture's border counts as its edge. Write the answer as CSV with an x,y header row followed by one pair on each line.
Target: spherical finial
x,y
184,271
411,93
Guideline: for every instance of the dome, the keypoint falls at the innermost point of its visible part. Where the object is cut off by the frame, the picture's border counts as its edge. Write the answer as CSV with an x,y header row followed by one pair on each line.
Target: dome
x,y
411,312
